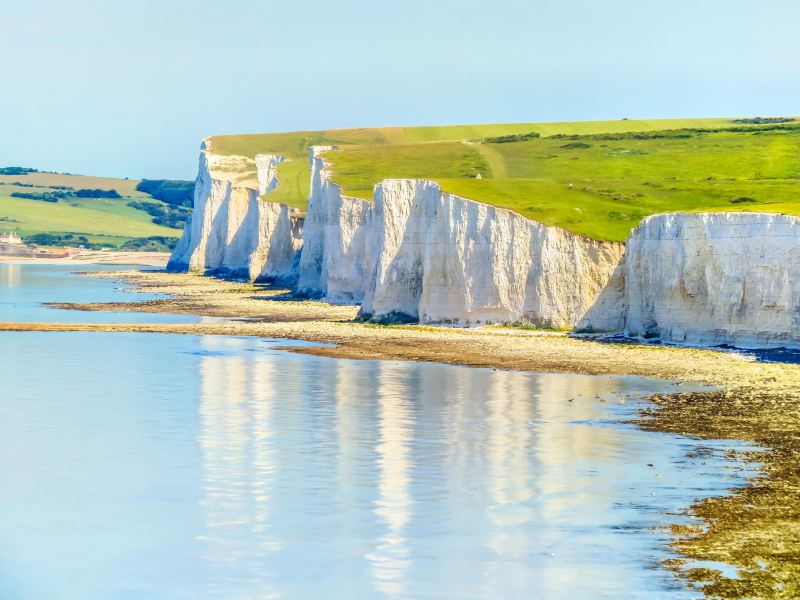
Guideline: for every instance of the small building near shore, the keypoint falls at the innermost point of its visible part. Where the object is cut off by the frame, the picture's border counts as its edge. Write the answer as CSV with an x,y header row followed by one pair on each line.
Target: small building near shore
x,y
12,245
9,237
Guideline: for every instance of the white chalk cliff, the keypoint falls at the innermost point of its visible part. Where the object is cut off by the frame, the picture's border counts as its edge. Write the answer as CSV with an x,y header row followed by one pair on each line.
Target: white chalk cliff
x,y
442,258
233,231
432,256
708,279
687,278
334,258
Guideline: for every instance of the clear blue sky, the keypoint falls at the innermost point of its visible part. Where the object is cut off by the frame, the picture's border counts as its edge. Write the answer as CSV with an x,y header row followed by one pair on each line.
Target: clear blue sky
x,y
130,88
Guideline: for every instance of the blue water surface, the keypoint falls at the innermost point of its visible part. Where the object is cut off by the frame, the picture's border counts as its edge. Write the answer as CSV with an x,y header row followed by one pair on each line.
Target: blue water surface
x,y
138,466
25,287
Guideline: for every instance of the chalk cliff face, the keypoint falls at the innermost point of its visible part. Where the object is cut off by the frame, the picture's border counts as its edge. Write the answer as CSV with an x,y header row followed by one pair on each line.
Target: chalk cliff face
x,y
687,278
715,278
232,231
440,257
334,257
437,257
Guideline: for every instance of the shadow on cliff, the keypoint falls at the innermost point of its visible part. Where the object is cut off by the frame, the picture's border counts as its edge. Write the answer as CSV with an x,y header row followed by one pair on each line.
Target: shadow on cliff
x,y
242,243
217,234
284,269
406,271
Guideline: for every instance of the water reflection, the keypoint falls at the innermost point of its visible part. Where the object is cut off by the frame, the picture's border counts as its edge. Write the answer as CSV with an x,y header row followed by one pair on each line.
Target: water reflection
x,y
236,399
574,455
25,288
393,505
414,480
510,510
223,468
10,275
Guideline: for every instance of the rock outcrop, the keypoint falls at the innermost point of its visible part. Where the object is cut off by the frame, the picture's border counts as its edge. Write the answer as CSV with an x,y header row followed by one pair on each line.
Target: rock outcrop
x,y
233,232
709,279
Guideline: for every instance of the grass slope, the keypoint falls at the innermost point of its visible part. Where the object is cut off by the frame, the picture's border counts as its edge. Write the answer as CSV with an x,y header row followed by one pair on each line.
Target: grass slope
x,y
618,178
297,143
101,220
294,183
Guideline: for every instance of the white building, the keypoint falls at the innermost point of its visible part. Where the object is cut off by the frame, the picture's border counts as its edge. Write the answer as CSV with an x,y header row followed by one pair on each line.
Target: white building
x,y
9,238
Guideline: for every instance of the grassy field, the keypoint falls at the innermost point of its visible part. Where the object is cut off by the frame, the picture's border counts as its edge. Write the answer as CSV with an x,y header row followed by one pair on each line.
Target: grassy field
x,y
125,187
293,183
102,220
297,143
620,171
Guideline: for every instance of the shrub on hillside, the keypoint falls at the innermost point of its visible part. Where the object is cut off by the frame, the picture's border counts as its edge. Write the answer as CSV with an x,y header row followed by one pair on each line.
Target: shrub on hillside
x,y
163,214
764,120
505,139
154,243
85,193
61,239
16,170
33,185
44,196
171,191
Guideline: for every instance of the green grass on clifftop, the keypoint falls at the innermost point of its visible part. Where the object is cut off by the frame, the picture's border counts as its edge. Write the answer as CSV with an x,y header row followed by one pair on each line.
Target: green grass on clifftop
x,y
293,183
620,171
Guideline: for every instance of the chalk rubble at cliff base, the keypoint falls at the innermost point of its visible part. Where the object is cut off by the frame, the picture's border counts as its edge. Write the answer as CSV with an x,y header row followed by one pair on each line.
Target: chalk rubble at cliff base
x,y
418,253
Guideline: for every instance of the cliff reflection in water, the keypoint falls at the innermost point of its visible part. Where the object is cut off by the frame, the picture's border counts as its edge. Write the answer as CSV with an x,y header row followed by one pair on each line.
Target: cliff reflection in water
x,y
398,478
10,275
237,397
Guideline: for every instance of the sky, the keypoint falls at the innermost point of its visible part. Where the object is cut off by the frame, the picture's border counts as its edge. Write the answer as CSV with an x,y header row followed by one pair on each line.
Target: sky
x,y
130,89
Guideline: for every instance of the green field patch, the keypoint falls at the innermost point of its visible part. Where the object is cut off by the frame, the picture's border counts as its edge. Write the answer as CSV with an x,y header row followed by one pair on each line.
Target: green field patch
x,y
358,168
79,215
294,177
125,187
76,208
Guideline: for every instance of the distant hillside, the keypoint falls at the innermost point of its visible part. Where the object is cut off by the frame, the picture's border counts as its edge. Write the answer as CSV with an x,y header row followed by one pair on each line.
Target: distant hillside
x,y
72,210
597,178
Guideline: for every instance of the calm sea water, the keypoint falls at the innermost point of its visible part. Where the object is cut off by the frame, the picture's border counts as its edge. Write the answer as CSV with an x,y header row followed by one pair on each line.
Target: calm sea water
x,y
144,466
23,289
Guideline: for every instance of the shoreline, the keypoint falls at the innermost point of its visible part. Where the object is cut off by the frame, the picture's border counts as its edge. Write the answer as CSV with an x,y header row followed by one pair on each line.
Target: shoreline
x,y
92,257
757,402
260,310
